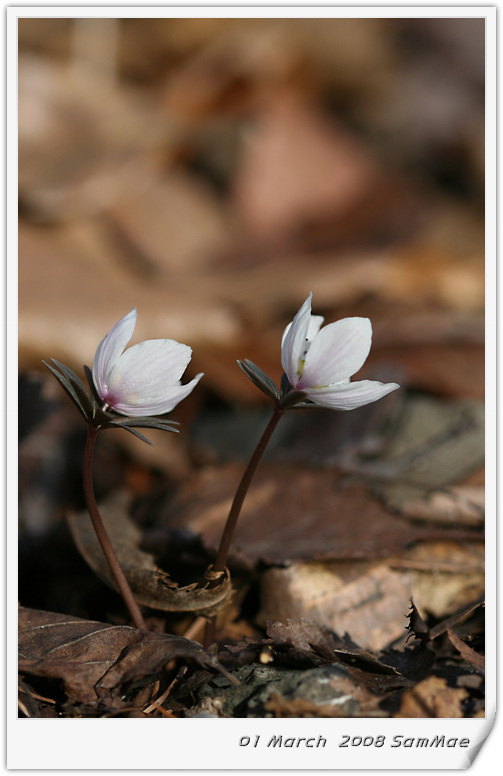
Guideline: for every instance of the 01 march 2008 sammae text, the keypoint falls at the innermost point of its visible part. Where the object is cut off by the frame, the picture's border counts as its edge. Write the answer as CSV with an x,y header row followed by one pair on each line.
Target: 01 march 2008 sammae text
x,y
316,742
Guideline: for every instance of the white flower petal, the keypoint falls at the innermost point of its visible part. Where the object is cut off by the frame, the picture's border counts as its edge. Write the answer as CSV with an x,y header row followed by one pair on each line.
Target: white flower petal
x,y
314,326
349,396
294,342
110,349
170,398
312,330
146,372
337,352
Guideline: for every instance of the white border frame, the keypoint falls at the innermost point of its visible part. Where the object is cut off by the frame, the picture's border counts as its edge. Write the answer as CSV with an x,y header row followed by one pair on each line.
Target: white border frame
x,y
183,744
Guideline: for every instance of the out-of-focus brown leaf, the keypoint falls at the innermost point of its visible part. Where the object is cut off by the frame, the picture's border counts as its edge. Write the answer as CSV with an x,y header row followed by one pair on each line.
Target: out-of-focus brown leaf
x,y
53,319
368,603
94,660
432,698
466,652
150,585
426,273
82,141
285,708
230,67
450,369
455,619
291,513
437,445
159,223
447,575
300,172
461,505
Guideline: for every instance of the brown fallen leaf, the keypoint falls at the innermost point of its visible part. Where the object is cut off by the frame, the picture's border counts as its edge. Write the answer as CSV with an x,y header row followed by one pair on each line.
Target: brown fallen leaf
x,y
150,585
285,708
82,142
302,172
291,513
436,445
368,601
466,652
446,369
455,619
461,505
94,660
447,575
303,642
159,223
432,698
417,626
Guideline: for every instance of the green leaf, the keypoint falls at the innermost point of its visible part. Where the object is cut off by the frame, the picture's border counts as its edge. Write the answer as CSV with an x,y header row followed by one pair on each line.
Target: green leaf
x,y
77,384
146,422
68,388
259,378
137,434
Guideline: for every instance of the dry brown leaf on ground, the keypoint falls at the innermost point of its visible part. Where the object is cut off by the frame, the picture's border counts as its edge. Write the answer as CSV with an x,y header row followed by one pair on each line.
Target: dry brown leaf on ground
x,y
54,319
291,513
466,652
305,642
447,575
437,444
159,223
97,662
461,505
451,369
82,140
367,601
151,586
432,698
302,172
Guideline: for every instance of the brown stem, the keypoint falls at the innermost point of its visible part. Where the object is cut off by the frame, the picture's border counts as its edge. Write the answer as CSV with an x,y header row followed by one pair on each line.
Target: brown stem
x,y
103,538
225,542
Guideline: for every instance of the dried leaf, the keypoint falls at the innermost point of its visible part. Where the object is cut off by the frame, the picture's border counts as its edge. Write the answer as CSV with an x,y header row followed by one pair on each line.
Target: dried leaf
x,y
466,652
94,660
366,602
461,505
301,172
437,444
82,143
450,369
434,699
447,575
366,704
166,210
290,513
417,626
150,585
457,618
296,641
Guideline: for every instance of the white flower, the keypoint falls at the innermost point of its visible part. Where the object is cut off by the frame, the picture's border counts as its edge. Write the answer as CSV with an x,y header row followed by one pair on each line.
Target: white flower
x,y
145,379
319,362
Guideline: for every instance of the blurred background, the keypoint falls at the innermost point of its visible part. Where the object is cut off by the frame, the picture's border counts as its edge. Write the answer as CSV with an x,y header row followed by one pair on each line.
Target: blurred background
x,y
213,172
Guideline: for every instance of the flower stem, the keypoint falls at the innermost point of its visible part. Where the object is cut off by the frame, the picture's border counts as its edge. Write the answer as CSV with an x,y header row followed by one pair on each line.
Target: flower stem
x,y
103,538
225,542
